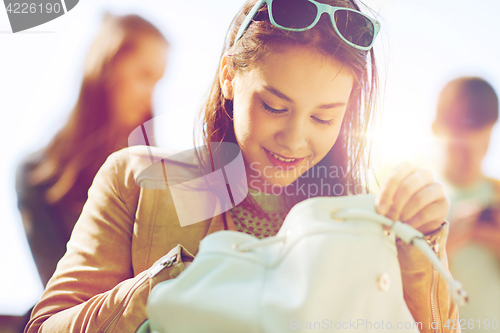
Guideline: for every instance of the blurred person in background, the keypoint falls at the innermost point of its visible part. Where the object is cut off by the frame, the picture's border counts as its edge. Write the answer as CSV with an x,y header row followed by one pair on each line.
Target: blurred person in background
x,y
124,63
466,113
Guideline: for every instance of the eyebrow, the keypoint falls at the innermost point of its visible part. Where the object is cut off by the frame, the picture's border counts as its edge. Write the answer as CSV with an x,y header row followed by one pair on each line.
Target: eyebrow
x,y
279,94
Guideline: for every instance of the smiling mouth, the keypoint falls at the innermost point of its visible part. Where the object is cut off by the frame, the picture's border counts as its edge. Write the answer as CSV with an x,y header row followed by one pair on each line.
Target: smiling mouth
x,y
283,162
281,158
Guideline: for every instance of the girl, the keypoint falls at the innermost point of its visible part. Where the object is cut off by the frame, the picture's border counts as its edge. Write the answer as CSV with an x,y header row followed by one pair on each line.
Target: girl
x,y
123,64
295,91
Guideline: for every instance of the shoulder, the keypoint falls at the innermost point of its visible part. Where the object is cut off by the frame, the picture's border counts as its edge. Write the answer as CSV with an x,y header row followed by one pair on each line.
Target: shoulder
x,y
149,167
30,161
23,170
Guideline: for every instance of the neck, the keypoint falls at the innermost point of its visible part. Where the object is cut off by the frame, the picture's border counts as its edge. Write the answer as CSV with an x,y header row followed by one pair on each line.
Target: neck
x,y
461,177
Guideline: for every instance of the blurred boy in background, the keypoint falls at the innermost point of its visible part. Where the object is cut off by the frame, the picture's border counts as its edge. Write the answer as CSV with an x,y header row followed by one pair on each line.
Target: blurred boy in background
x,y
466,112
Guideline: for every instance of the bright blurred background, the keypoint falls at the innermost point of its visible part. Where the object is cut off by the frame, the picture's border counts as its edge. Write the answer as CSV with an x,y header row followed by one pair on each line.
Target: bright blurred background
x,y
423,44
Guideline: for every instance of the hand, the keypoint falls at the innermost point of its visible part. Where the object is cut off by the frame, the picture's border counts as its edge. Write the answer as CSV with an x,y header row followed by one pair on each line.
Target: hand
x,y
412,196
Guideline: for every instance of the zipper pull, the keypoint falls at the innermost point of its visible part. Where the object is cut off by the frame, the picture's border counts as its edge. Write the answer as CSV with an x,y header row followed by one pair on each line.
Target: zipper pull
x,y
153,271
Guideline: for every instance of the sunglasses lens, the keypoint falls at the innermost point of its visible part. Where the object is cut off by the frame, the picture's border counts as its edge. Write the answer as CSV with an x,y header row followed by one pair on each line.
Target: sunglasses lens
x,y
354,27
294,14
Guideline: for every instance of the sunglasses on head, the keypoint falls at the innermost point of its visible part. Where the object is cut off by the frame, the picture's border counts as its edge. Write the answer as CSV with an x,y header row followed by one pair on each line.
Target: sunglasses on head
x,y
352,26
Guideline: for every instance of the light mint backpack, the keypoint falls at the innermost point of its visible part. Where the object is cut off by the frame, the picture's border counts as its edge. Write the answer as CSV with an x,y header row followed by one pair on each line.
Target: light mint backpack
x,y
331,266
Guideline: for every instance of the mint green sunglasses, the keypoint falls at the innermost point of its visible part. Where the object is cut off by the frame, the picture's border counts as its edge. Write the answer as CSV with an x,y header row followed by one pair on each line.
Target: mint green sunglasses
x,y
354,27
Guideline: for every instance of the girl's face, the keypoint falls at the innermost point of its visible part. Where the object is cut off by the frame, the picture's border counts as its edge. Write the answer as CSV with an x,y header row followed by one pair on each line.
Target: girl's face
x,y
288,111
133,78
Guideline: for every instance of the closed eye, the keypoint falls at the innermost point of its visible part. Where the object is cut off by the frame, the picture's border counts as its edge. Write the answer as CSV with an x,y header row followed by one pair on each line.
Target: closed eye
x,y
322,122
272,110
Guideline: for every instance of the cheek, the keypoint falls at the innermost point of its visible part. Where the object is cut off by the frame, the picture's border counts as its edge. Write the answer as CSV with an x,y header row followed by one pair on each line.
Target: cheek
x,y
485,143
323,142
242,127
249,125
122,91
480,153
130,87
322,148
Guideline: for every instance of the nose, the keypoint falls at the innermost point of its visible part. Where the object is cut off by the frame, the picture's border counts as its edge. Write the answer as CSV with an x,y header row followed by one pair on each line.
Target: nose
x,y
293,136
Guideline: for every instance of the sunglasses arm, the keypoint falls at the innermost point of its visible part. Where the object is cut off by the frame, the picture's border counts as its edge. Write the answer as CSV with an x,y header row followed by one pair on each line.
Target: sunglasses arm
x,y
248,19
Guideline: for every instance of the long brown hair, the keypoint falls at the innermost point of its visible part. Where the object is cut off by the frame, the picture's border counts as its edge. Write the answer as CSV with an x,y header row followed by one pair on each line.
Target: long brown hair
x,y
349,153
73,157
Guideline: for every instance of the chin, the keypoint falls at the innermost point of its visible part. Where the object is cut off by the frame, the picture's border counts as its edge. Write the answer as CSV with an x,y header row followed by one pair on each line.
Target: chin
x,y
271,185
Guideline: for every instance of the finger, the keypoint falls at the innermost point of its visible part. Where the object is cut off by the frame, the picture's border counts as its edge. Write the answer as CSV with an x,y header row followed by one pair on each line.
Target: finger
x,y
430,218
390,186
423,198
410,186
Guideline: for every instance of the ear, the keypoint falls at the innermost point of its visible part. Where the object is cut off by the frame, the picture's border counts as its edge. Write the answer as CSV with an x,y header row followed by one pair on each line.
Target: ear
x,y
226,77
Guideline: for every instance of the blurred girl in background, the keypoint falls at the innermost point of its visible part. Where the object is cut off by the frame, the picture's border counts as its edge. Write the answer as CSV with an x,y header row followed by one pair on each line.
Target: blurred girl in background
x,y
124,63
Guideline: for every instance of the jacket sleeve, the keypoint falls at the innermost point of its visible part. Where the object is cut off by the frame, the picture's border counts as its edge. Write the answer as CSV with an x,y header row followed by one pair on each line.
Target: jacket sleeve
x,y
94,288
425,290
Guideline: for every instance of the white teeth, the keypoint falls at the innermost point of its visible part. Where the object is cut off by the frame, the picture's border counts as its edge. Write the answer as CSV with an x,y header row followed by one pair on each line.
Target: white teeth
x,y
283,159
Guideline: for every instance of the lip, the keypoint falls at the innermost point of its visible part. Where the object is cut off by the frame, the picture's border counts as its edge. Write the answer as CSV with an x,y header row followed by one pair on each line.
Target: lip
x,y
283,164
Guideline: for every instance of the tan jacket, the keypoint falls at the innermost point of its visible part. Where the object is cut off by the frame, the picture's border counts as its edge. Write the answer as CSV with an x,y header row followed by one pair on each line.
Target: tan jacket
x,y
100,285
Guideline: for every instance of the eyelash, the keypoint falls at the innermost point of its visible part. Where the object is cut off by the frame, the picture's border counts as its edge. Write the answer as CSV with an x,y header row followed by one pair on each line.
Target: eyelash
x,y
275,111
323,122
271,110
